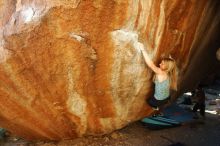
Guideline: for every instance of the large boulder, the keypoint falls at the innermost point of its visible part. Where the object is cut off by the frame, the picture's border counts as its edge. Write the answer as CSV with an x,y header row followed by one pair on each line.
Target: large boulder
x,y
69,68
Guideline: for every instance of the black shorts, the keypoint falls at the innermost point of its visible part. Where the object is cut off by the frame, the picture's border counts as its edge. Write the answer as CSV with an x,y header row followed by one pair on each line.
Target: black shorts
x,y
153,102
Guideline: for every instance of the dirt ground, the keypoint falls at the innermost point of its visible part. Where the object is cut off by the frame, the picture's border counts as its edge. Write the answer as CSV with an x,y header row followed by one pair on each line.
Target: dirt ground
x,y
198,133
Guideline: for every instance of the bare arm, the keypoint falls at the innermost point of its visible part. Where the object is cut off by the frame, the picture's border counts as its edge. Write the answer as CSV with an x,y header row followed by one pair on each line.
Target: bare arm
x,y
147,59
150,63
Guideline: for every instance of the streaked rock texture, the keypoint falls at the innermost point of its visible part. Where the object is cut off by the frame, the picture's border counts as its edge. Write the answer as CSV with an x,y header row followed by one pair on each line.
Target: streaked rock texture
x,y
66,70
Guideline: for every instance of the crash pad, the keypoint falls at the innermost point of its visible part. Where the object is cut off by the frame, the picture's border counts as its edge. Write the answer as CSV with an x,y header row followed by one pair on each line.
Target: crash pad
x,y
173,116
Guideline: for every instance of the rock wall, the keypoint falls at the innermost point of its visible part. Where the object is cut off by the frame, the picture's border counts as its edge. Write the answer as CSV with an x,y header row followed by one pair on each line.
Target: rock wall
x,y
69,68
218,54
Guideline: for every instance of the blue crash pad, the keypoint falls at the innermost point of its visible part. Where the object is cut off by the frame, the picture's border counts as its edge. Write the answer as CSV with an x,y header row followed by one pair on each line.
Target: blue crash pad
x,y
173,116
175,112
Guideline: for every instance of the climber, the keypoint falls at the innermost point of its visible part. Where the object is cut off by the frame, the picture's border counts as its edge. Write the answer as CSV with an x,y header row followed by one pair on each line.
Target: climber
x,y
165,78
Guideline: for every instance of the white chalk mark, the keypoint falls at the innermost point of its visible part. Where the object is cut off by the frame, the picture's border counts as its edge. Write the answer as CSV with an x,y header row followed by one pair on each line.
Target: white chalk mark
x,y
77,37
4,53
27,14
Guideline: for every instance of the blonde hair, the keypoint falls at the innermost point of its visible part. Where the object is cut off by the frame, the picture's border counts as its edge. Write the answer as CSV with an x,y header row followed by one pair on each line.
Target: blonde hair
x,y
171,69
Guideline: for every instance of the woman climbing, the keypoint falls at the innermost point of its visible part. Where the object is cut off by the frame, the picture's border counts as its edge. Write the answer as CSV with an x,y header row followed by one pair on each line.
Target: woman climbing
x,y
165,78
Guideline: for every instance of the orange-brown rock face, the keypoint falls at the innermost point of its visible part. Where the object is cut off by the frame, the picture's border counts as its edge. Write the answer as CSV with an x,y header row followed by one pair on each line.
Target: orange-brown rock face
x,y
69,68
